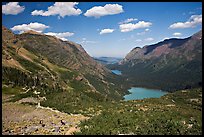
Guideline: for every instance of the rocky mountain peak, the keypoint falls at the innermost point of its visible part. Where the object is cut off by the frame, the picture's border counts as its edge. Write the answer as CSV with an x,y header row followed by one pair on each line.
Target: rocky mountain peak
x,y
33,32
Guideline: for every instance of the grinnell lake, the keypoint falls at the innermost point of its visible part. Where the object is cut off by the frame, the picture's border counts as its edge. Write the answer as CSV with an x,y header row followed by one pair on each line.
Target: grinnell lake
x,y
137,93
141,93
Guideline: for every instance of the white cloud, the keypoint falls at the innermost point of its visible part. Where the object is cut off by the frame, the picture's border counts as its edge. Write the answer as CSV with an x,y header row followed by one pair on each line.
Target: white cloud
x,y
12,8
61,36
32,26
61,8
177,34
130,26
149,39
103,31
127,21
192,22
138,40
146,29
108,9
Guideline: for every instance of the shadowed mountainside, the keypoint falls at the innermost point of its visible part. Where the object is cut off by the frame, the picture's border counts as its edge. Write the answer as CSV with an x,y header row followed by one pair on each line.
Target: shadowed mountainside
x,y
170,65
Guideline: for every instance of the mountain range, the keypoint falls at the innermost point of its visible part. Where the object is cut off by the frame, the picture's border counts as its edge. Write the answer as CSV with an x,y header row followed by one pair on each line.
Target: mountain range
x,y
50,86
170,65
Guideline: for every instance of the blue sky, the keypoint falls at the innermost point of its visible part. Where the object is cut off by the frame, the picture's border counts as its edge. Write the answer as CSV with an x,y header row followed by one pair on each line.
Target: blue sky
x,y
124,25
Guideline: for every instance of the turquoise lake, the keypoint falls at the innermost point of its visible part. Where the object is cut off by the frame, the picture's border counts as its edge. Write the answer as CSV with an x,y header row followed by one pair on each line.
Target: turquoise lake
x,y
117,72
141,93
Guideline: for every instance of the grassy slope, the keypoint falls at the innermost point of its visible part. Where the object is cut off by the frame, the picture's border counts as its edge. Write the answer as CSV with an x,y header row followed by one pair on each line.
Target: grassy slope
x,y
178,113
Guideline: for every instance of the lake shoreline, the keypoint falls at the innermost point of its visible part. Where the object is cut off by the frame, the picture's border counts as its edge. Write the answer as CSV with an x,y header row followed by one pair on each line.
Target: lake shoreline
x,y
142,93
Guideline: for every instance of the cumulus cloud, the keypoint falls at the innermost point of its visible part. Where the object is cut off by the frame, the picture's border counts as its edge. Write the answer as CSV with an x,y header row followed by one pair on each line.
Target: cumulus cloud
x,y
108,9
38,27
59,8
149,39
192,22
130,26
61,36
128,20
12,8
177,34
103,31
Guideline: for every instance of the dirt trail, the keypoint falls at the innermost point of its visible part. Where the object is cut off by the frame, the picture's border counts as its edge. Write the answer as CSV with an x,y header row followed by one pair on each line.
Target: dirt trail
x,y
72,130
26,119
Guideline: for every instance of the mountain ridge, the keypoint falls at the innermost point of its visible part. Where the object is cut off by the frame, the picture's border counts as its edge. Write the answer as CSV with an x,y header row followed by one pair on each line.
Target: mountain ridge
x,y
174,61
56,64
34,87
